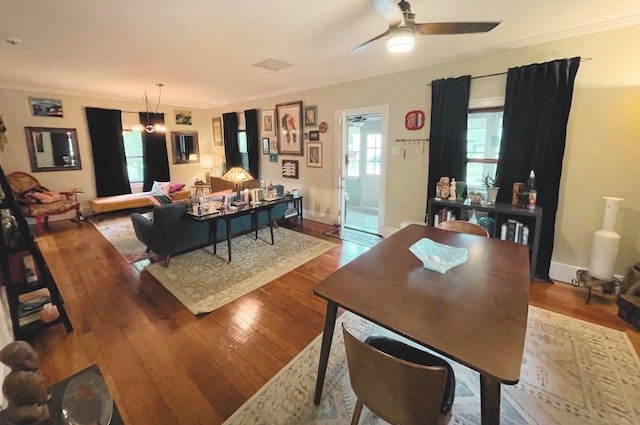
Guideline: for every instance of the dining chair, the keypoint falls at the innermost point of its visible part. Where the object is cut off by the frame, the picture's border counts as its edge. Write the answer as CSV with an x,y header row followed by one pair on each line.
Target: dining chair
x,y
462,226
399,383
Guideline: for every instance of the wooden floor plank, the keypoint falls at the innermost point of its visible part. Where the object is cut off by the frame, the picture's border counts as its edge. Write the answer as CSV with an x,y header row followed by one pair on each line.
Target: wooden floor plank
x,y
166,366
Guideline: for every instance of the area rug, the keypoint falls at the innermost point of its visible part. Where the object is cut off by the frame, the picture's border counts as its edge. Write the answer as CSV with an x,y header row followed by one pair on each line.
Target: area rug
x,y
573,373
118,230
204,282
361,238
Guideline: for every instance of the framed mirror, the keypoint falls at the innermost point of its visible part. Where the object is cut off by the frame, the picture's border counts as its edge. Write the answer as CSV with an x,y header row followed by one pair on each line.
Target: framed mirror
x,y
185,147
53,149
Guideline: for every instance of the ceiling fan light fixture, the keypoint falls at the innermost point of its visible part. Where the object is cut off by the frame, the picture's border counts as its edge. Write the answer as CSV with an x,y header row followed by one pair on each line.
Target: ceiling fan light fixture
x,y
401,41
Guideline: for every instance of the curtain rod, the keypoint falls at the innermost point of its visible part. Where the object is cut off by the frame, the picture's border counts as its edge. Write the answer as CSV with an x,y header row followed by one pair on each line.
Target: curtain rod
x,y
505,72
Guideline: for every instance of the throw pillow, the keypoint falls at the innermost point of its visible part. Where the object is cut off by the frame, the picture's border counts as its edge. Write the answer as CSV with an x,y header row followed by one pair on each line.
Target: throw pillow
x,y
176,187
160,188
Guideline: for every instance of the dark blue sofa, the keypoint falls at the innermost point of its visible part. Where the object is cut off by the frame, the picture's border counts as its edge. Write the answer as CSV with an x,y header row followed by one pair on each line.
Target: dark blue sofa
x,y
172,232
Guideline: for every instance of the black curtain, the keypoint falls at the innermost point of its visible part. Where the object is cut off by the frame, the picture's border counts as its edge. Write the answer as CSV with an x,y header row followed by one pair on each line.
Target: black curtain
x,y
154,151
536,110
253,141
448,138
107,146
231,149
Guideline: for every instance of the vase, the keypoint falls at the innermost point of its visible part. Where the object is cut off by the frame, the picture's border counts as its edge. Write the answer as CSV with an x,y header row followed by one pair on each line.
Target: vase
x,y
488,224
9,225
473,219
492,194
604,249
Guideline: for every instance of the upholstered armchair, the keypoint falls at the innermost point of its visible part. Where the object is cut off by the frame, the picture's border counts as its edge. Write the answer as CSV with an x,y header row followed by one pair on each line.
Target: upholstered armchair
x,y
36,201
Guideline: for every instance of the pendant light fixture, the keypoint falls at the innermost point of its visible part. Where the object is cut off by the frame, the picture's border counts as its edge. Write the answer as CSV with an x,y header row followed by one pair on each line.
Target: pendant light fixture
x,y
151,128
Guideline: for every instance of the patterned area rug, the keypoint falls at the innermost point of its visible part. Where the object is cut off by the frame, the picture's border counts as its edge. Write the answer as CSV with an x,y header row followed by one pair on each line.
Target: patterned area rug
x,y
573,373
204,282
361,238
118,230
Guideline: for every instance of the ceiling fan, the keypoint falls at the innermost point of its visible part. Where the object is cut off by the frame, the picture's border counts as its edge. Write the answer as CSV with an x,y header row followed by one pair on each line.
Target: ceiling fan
x,y
402,26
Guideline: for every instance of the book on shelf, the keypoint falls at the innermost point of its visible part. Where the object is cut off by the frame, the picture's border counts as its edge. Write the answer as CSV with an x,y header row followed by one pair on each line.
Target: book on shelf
x,y
30,318
515,231
34,295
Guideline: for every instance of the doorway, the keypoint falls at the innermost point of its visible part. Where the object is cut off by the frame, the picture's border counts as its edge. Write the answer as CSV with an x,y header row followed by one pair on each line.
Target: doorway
x,y
362,169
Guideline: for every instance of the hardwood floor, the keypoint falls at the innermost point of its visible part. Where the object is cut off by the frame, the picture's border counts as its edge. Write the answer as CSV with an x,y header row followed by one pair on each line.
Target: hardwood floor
x,y
164,365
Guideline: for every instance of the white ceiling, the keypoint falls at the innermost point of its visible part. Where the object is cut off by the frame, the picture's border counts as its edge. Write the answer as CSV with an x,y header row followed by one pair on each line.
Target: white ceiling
x,y
203,50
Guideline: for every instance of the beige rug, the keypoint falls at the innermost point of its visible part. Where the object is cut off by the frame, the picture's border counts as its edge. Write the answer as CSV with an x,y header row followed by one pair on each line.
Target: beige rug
x,y
204,282
573,373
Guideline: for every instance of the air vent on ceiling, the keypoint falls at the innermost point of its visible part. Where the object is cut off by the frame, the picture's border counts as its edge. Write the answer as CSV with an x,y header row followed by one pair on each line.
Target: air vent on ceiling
x,y
273,64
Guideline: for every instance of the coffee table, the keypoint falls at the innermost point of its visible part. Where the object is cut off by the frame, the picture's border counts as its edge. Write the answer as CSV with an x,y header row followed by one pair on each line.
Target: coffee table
x,y
475,313
230,213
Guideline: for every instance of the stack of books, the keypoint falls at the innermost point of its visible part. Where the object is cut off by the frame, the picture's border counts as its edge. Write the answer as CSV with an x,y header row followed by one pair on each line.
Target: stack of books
x,y
513,230
31,305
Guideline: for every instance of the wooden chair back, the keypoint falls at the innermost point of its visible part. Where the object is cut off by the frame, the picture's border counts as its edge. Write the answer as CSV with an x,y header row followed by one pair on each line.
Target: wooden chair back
x,y
398,391
461,226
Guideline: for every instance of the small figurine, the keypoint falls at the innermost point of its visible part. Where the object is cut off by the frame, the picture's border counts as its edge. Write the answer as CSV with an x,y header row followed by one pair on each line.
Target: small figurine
x,y
23,387
444,187
452,189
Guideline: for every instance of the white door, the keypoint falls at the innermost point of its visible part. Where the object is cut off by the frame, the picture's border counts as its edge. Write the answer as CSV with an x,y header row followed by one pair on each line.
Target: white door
x,y
364,187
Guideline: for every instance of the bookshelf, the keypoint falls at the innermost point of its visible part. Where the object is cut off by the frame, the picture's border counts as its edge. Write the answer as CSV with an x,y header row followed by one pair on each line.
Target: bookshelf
x,y
32,293
501,213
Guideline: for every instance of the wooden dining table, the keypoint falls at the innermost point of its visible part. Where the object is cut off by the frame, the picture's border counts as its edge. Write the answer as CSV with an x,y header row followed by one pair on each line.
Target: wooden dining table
x,y
474,314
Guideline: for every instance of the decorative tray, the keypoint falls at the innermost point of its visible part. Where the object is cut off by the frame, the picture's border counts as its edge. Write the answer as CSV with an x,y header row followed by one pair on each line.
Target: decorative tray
x,y
87,401
438,257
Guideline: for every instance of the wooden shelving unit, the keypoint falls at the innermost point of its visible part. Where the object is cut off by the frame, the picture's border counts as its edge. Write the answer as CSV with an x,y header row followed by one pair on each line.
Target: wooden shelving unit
x,y
500,213
12,252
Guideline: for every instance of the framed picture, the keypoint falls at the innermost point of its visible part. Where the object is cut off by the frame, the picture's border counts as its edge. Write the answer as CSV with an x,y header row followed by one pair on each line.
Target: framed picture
x,y
290,168
314,136
273,157
273,145
310,113
183,117
314,155
217,131
265,145
268,124
45,107
289,121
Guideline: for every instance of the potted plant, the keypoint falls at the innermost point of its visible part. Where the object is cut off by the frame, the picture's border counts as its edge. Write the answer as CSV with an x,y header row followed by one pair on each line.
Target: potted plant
x,y
490,184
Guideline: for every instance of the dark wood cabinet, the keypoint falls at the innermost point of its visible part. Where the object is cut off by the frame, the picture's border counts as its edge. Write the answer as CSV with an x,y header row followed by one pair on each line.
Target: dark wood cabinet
x,y
501,213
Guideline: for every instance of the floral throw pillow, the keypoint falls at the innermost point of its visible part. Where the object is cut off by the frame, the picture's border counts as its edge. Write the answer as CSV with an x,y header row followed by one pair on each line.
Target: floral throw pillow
x,y
160,188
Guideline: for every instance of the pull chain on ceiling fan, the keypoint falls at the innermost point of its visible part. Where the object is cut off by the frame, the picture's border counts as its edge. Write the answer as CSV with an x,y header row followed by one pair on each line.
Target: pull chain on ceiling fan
x,y
402,27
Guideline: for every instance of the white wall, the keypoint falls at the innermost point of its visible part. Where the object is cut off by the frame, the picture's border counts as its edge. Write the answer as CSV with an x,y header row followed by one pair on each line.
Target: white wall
x,y
602,153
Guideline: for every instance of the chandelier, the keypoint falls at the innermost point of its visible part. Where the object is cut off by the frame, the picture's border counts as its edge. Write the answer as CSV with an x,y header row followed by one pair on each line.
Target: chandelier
x,y
149,128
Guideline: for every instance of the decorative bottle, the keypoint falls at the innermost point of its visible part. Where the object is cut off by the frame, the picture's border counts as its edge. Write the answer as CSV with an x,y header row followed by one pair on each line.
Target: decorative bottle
x,y
604,250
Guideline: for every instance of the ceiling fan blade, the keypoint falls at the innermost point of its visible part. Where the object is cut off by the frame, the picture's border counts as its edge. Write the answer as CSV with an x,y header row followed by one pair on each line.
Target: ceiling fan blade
x,y
389,9
435,28
366,43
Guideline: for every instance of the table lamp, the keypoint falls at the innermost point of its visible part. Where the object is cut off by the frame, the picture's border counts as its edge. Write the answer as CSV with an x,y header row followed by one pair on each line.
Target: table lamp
x,y
206,162
238,176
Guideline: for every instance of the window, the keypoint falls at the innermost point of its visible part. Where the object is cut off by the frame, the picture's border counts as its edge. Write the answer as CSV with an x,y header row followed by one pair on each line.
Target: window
x,y
374,152
353,152
242,147
133,153
484,134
